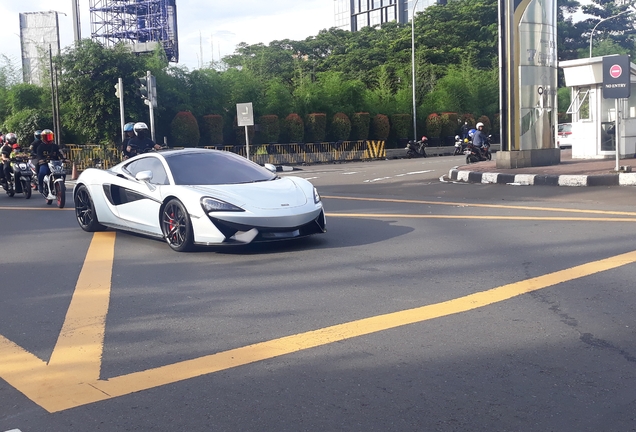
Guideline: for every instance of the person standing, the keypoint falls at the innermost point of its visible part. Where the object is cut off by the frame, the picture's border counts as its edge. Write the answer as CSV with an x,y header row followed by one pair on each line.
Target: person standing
x,y
465,129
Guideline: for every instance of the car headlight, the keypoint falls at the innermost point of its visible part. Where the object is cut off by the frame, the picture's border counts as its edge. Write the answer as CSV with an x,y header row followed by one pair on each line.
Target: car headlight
x,y
215,205
316,196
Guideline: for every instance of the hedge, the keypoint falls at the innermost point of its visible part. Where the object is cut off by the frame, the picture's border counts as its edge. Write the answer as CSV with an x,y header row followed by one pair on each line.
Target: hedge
x,y
212,129
434,125
400,125
316,127
360,123
293,129
380,127
269,128
184,130
340,127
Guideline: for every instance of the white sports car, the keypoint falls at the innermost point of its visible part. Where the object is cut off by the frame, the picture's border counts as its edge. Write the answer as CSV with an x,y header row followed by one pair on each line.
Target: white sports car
x,y
198,196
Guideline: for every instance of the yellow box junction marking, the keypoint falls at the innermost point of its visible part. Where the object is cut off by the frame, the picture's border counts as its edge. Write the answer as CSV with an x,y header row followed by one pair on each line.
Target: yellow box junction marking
x,y
71,377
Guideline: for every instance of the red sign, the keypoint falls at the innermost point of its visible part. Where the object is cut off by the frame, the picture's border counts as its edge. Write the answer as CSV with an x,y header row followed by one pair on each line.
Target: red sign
x,y
615,71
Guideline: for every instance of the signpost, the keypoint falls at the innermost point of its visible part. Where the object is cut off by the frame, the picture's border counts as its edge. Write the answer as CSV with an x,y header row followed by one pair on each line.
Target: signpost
x,y
616,85
245,117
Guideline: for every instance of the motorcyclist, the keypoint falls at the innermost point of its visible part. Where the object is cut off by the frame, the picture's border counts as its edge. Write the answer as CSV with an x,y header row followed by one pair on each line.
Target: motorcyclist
x,y
47,151
9,140
33,150
480,138
140,143
128,134
18,153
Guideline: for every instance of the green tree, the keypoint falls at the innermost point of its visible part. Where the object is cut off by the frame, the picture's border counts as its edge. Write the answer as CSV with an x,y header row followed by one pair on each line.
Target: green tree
x,y
88,72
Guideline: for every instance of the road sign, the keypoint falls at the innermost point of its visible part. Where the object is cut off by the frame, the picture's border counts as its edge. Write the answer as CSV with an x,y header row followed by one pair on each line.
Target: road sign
x,y
245,114
616,77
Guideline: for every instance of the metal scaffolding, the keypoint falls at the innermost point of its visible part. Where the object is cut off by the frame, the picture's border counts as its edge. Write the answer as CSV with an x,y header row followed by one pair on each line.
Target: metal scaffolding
x,y
141,23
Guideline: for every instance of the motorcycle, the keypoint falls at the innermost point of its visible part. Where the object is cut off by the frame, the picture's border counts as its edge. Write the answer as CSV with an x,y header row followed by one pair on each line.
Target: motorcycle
x,y
460,145
20,178
54,184
473,154
416,149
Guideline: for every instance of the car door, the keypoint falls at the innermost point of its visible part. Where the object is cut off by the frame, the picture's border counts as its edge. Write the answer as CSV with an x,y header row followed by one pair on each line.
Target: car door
x,y
140,200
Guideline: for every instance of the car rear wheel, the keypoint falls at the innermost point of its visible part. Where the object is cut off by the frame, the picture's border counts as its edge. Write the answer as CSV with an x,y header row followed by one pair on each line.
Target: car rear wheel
x,y
176,226
85,211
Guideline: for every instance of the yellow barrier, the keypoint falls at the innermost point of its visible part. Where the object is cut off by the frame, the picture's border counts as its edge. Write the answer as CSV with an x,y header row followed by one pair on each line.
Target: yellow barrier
x,y
91,156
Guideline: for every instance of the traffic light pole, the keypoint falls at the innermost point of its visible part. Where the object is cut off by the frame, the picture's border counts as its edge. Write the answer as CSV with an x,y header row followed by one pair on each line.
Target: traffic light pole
x,y
120,91
151,104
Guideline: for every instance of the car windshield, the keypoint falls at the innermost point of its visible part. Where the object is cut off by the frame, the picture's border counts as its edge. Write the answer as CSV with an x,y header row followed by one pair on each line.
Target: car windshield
x,y
565,127
214,168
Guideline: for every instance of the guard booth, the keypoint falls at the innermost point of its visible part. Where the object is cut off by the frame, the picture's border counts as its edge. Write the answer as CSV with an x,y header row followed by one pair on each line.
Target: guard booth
x,y
593,117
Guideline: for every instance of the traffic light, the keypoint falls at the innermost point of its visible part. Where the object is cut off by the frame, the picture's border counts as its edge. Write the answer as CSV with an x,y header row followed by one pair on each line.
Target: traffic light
x,y
117,91
142,83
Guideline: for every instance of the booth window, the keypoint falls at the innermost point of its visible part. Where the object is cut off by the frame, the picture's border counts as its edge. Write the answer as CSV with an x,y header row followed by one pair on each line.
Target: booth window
x,y
631,103
580,106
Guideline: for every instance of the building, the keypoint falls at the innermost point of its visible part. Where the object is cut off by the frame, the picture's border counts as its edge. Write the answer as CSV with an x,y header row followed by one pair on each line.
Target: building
x,y
354,14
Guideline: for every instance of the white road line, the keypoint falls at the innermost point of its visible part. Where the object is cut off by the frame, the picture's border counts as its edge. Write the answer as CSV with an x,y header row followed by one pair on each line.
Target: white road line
x,y
376,179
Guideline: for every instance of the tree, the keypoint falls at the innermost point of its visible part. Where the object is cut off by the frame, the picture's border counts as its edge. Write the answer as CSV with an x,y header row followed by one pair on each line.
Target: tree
x,y
88,72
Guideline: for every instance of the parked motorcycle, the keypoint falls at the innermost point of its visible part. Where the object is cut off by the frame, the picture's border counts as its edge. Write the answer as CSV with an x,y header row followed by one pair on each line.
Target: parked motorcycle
x,y
460,145
416,149
54,184
20,178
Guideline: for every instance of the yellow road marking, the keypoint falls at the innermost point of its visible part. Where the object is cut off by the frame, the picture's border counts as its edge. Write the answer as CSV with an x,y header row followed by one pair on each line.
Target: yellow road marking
x,y
519,218
495,206
79,345
71,379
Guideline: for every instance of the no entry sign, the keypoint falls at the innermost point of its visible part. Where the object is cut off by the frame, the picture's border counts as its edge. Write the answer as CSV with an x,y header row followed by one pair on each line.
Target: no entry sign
x,y
616,77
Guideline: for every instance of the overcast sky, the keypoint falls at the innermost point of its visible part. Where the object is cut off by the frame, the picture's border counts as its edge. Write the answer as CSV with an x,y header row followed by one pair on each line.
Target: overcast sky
x,y
207,28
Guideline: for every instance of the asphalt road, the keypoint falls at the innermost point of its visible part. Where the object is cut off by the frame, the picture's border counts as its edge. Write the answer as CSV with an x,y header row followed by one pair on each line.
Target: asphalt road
x,y
427,306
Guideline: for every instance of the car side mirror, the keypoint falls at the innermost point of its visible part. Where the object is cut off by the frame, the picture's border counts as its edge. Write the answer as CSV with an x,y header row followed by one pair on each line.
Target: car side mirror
x,y
270,167
144,176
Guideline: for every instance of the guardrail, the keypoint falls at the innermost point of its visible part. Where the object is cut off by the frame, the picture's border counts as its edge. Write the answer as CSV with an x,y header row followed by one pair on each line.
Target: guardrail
x,y
89,156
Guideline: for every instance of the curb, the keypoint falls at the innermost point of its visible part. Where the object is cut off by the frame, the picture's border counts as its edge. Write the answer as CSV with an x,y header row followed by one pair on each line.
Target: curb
x,y
621,179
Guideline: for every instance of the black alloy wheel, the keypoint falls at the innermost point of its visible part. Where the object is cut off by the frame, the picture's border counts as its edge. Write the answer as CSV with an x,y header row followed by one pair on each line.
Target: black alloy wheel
x,y
85,211
176,226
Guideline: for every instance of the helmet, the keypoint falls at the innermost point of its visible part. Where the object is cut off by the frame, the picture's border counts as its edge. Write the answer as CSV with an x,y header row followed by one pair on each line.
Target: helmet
x,y
424,138
471,133
456,137
478,125
128,127
47,136
11,138
15,146
37,134
140,127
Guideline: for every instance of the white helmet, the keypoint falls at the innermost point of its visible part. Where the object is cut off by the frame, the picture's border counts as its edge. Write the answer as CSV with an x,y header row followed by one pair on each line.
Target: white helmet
x,y
456,137
478,125
141,126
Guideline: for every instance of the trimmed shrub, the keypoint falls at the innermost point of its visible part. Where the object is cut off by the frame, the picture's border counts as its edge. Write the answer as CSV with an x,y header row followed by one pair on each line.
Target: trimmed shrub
x,y
212,129
340,127
380,127
486,121
360,123
434,126
293,129
450,124
269,128
316,127
400,125
184,130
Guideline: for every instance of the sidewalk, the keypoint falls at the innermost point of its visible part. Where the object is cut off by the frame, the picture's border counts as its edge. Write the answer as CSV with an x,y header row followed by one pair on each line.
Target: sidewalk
x,y
570,172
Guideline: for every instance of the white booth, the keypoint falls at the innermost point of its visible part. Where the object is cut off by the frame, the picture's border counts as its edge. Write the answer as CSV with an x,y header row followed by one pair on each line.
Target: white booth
x,y
593,117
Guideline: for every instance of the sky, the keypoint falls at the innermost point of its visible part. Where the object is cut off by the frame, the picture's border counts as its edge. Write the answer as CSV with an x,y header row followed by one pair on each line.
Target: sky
x,y
208,29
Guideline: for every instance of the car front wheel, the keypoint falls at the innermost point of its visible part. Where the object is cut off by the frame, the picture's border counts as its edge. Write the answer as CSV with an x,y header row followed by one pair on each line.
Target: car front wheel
x,y
176,226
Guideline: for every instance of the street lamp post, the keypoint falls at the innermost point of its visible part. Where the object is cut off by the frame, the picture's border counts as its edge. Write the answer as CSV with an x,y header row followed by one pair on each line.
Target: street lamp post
x,y
413,70
604,19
